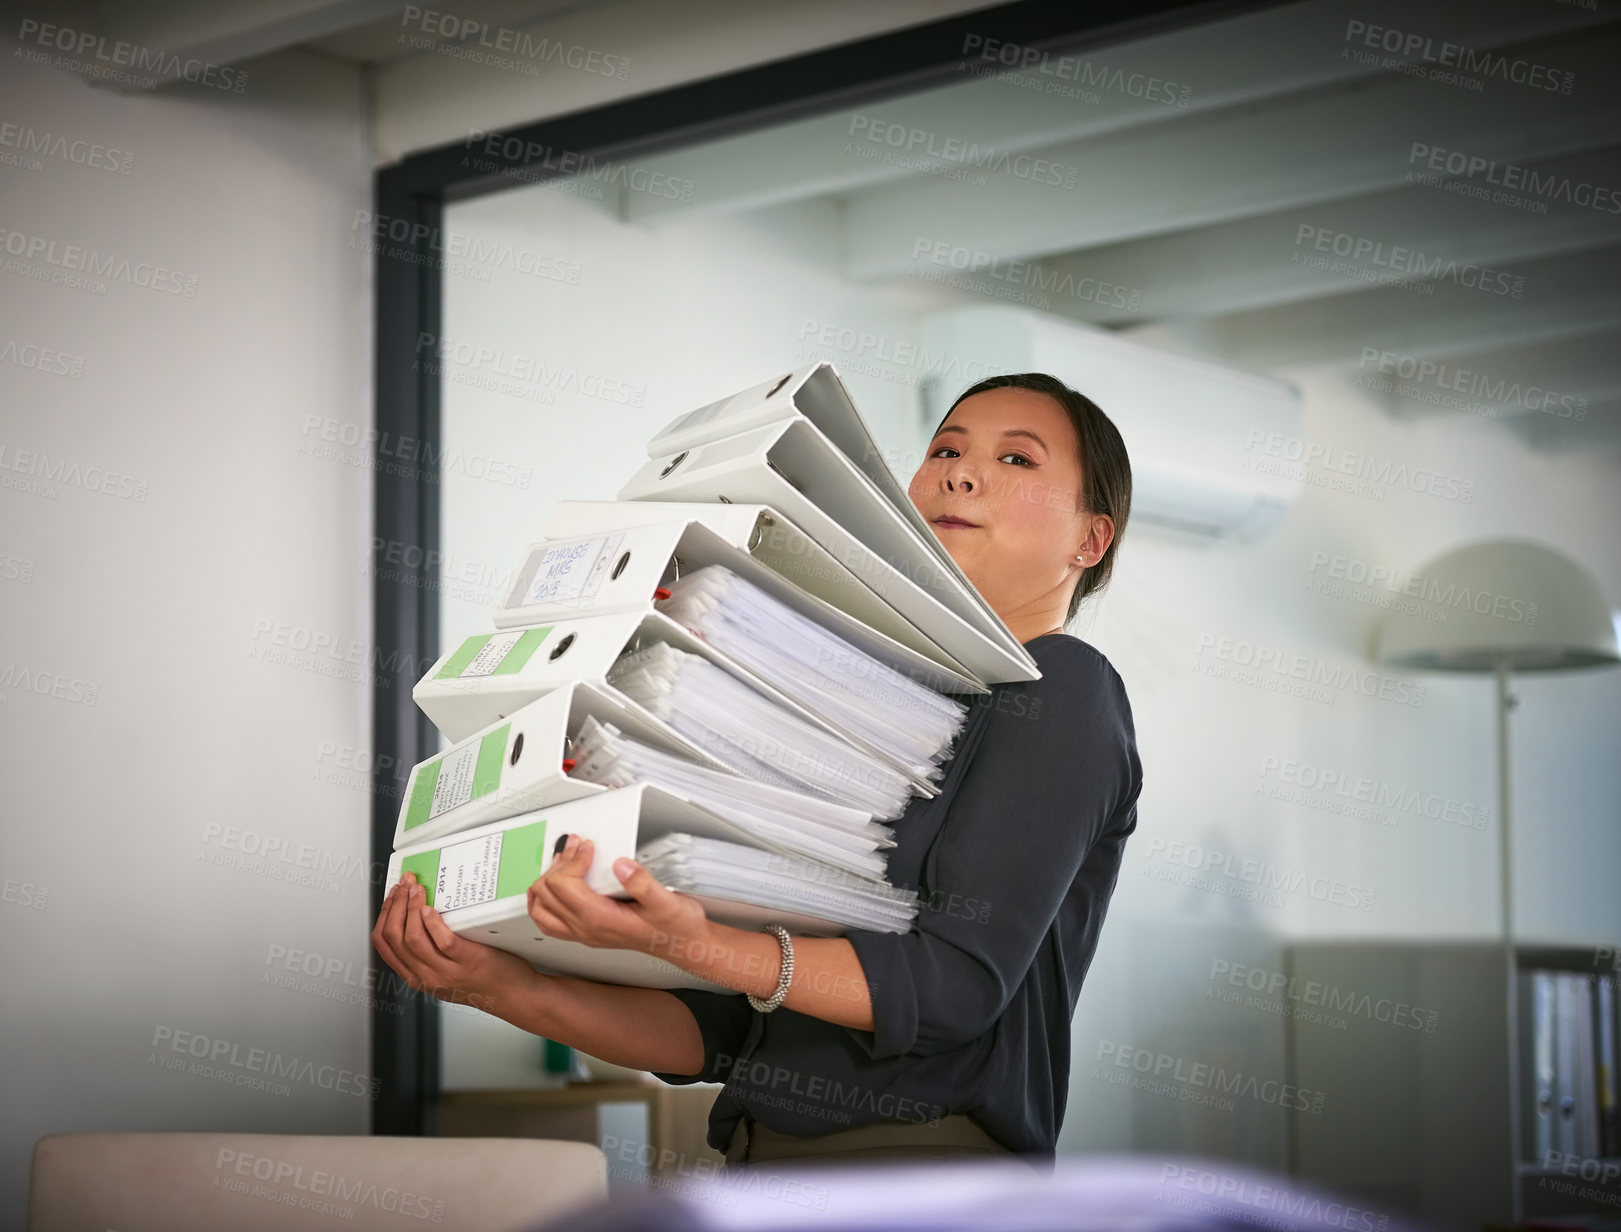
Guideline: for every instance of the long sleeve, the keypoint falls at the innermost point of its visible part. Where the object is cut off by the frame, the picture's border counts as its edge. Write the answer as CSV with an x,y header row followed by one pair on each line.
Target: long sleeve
x,y
1056,765
723,1019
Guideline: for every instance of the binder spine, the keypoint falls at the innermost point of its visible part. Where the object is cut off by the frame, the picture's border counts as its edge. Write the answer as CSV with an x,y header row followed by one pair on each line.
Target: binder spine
x,y
496,773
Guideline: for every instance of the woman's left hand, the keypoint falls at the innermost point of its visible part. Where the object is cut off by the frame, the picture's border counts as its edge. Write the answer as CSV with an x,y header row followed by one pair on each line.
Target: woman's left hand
x,y
567,908
414,939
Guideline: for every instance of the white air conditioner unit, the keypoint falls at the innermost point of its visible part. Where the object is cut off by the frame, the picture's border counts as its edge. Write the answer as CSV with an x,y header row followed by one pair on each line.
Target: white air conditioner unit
x,y
1204,440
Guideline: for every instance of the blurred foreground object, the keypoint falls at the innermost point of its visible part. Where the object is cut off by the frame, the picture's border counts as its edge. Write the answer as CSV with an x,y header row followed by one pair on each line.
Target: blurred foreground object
x,y
1105,1192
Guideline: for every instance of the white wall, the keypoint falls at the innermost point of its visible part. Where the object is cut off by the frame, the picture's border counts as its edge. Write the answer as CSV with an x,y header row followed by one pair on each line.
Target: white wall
x,y
157,600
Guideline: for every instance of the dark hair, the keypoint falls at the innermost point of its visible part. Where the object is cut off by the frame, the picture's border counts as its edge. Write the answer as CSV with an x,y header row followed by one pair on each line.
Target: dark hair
x,y
1105,468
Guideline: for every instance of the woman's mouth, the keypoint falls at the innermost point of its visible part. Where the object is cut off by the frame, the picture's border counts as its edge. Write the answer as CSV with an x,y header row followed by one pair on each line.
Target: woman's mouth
x,y
951,520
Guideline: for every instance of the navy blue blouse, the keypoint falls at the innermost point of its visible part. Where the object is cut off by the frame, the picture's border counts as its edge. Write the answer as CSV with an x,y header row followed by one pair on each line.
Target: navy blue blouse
x,y
1014,862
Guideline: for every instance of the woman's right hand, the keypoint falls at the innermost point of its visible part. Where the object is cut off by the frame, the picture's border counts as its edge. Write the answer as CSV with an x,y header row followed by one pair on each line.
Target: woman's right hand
x,y
414,939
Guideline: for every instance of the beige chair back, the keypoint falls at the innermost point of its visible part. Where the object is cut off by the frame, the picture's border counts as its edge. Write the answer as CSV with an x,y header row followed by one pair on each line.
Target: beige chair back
x,y
172,1182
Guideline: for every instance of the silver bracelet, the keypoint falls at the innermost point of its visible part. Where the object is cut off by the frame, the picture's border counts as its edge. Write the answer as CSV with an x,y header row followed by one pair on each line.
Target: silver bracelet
x,y
785,942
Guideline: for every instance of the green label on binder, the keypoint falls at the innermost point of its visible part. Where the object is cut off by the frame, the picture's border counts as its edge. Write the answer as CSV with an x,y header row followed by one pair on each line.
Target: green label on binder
x,y
523,857
480,870
492,751
450,780
493,654
422,783
426,866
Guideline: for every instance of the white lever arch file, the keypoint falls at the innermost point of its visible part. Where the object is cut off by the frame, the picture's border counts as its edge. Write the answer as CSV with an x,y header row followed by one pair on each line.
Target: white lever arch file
x,y
619,569
798,444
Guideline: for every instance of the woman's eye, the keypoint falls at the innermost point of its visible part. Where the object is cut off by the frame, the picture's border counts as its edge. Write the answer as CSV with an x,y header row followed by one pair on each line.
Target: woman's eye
x,y
947,449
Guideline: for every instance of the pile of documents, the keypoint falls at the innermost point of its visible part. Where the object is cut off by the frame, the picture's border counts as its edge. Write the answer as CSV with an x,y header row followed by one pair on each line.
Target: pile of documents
x,y
739,673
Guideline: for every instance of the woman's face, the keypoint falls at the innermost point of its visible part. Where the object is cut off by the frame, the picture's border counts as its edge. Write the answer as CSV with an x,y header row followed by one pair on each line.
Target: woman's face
x,y
1001,485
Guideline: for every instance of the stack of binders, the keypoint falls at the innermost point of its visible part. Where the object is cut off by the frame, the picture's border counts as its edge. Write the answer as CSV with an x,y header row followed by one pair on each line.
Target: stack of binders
x,y
738,673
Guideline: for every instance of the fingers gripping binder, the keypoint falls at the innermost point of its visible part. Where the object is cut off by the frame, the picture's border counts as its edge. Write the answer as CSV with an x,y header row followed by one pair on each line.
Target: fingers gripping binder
x,y
478,879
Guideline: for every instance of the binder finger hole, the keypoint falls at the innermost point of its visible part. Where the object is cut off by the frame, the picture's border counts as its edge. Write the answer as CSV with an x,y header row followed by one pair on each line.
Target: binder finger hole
x,y
675,462
517,748
559,650
619,566
779,385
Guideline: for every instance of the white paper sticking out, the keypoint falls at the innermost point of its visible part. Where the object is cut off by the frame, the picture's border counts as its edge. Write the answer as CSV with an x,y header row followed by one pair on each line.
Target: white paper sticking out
x,y
467,873
573,571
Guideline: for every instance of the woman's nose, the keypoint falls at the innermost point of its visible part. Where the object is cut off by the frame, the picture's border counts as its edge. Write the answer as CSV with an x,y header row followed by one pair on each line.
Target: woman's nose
x,y
960,478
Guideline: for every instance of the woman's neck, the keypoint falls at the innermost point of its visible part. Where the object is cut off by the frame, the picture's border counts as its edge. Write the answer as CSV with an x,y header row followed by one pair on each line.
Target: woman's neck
x,y
1035,618
1029,630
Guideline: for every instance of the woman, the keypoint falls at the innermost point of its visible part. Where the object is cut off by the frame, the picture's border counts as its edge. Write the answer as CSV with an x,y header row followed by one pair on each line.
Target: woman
x,y
952,1038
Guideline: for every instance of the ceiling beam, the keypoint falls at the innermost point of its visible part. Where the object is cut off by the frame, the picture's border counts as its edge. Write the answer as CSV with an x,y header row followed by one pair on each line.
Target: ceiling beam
x,y
1562,377
1335,248
1305,150
1564,297
963,129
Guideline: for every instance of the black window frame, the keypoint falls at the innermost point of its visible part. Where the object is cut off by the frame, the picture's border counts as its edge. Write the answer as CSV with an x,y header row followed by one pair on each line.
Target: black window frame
x,y
409,200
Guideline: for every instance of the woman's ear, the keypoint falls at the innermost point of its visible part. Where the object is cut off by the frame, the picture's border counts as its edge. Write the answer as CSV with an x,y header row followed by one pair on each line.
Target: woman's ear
x,y
1100,533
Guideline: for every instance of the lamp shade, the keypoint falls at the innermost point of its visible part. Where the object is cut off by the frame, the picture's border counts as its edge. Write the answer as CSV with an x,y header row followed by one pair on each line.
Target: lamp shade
x,y
1505,601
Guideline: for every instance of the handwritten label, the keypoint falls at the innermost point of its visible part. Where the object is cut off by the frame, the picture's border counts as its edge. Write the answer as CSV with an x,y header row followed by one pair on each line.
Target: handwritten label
x,y
571,573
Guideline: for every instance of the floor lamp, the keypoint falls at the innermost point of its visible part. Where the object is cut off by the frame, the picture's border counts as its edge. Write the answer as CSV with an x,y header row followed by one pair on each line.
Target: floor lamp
x,y
1508,605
